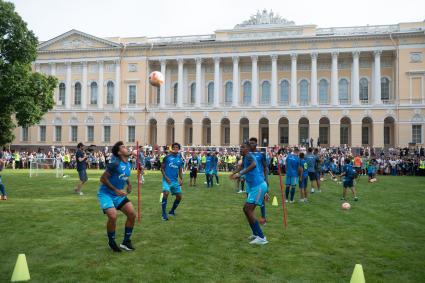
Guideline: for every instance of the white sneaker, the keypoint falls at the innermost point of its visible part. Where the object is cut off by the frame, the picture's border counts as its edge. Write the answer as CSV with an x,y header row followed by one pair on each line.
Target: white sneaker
x,y
312,191
252,237
286,200
143,180
240,192
319,191
302,200
259,241
81,193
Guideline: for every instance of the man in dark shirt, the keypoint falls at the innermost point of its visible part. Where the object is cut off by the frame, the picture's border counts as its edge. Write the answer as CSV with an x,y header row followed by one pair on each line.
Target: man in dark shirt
x,y
81,160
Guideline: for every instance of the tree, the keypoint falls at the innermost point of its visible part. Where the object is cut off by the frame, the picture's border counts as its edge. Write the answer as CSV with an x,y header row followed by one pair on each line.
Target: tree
x,y
25,96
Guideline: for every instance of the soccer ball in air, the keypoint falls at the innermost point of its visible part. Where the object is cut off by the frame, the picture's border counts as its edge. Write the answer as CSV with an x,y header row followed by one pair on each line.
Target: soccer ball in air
x,y
345,206
156,78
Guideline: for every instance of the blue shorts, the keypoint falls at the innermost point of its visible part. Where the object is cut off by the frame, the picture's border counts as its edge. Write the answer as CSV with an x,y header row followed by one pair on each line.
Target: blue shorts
x,y
174,187
256,194
312,176
214,172
291,180
303,182
111,201
348,183
83,175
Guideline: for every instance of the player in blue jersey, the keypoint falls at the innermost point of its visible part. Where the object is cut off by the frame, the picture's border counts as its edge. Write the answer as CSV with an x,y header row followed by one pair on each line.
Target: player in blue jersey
x,y
293,172
349,174
172,180
257,191
112,197
312,161
304,179
209,166
214,171
2,188
261,161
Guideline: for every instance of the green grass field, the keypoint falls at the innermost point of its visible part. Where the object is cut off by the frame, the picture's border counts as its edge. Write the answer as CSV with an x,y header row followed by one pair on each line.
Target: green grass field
x,y
63,235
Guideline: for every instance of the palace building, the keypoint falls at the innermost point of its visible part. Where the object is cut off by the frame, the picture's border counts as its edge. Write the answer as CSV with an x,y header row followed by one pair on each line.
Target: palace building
x,y
266,77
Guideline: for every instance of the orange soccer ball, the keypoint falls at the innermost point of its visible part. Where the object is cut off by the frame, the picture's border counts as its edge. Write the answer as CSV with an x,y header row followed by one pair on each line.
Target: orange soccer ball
x,y
346,206
156,78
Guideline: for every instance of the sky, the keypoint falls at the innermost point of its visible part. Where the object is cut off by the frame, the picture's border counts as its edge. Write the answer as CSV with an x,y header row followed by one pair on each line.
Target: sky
x,y
125,18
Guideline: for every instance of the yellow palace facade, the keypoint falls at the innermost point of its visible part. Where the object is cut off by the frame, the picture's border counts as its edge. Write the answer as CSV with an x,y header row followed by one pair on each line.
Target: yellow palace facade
x,y
267,77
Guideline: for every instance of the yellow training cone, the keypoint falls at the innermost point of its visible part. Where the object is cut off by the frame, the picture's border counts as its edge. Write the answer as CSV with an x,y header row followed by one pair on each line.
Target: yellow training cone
x,y
21,272
358,276
274,203
160,198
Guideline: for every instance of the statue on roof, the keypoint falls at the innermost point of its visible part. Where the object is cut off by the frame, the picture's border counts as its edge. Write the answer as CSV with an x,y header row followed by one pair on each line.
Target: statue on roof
x,y
265,18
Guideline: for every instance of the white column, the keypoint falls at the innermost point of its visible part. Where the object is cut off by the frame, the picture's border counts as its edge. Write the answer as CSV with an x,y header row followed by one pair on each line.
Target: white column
x,y
235,98
274,81
180,83
198,91
84,87
100,87
217,82
52,69
37,67
117,93
313,79
355,97
254,84
294,80
162,87
377,77
334,79
68,92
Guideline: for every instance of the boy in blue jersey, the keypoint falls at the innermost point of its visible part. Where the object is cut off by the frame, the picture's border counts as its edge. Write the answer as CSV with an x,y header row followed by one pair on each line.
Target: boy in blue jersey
x,y
172,172
293,171
261,162
209,165
214,171
349,175
112,196
304,179
257,191
312,160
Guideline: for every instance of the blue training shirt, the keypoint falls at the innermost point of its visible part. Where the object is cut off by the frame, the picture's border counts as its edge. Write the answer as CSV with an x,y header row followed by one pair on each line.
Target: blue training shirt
x,y
260,158
292,164
209,164
253,177
349,172
304,165
120,172
172,165
311,160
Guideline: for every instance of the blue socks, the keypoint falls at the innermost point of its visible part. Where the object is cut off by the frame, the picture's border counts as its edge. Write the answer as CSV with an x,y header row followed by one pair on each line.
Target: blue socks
x,y
263,211
111,236
292,193
253,229
127,234
216,179
258,231
175,204
2,189
164,206
287,192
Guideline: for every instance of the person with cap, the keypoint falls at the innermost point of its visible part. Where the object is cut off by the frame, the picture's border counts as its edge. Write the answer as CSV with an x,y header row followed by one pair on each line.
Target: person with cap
x,y
81,160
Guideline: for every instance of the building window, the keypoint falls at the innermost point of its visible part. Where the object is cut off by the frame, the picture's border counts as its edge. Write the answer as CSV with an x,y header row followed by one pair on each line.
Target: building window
x,y
245,134
106,133
323,135
343,91
344,134
42,133
175,93
131,94
284,135
247,93
74,133
304,92
131,133
364,90
387,137
90,133
227,135
284,92
110,89
24,134
210,95
385,89
265,93
93,93
323,91
190,135
62,91
158,95
192,93
58,133
417,134
228,92
365,135
77,94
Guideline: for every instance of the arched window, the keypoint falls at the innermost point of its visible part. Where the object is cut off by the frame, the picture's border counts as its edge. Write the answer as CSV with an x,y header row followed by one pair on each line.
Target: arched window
x,y
158,95
210,94
110,93
77,94
304,92
343,91
62,90
385,89
323,91
364,90
284,92
247,93
228,93
192,93
265,93
93,93
175,91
